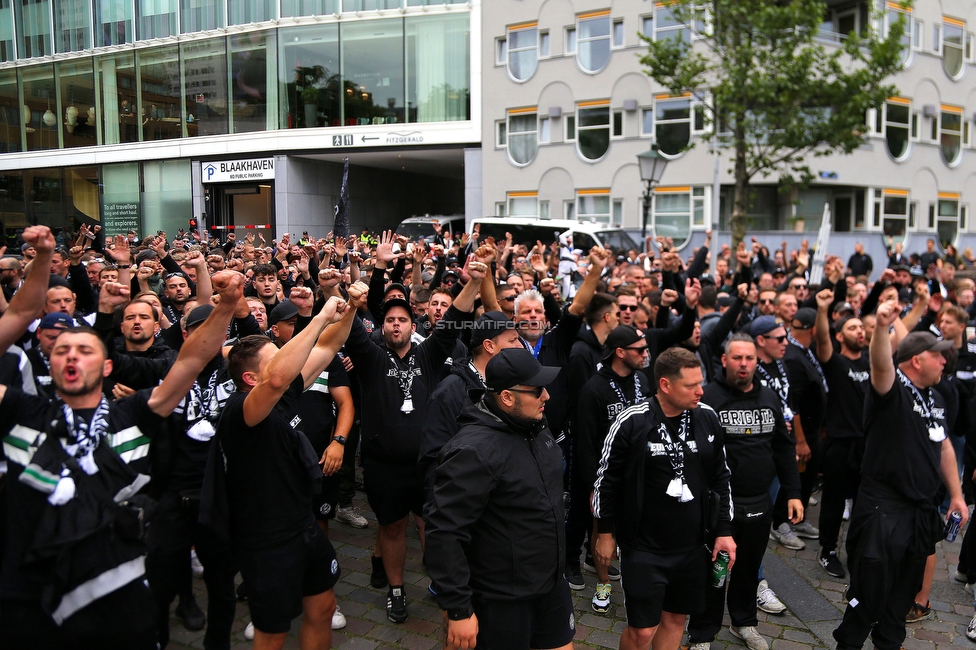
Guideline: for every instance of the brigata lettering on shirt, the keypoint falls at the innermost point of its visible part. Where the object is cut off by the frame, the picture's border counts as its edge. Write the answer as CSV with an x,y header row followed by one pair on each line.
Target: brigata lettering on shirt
x,y
937,413
613,410
747,422
658,449
859,375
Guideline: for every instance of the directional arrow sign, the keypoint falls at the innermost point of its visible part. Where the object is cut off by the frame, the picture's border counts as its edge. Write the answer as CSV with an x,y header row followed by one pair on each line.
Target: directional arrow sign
x,y
372,138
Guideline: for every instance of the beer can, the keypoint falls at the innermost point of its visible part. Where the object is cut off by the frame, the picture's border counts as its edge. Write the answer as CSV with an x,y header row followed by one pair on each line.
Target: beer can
x,y
720,569
952,526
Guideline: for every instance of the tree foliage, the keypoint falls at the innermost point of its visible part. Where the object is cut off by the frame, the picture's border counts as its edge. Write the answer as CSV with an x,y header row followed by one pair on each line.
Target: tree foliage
x,y
775,92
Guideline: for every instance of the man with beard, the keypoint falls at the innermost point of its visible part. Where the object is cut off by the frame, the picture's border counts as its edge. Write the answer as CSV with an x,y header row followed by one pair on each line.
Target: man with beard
x,y
497,481
848,374
895,523
40,354
11,276
139,326
176,292
91,447
661,459
398,373
619,384
758,448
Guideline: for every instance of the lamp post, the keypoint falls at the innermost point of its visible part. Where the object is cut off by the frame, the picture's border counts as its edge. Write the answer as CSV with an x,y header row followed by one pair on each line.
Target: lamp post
x,y
652,165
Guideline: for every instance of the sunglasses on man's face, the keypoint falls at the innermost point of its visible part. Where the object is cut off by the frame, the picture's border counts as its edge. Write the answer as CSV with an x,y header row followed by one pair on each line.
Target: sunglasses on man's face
x,y
627,307
536,391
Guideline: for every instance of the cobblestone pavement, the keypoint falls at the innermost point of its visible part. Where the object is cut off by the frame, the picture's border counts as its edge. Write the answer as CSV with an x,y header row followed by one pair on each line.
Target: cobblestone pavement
x,y
814,599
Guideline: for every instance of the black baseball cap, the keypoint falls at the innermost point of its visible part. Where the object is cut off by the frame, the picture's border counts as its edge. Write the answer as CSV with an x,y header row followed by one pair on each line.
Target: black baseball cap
x,y
395,286
806,317
284,310
844,306
488,326
764,325
917,343
198,315
515,367
56,320
622,336
394,302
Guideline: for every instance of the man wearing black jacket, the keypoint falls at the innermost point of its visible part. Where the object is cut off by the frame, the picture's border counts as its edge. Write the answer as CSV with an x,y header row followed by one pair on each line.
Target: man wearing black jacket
x,y
620,383
495,532
665,456
758,448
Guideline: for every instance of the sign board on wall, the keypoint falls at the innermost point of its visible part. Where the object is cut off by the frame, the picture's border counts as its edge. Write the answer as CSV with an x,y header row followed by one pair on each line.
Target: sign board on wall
x,y
120,218
244,169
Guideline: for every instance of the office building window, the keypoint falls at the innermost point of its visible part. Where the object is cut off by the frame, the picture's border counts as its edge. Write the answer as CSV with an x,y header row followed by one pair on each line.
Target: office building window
x,y
672,211
667,25
895,213
544,130
309,7
647,121
199,15
953,46
308,83
522,136
618,32
242,12
373,73
593,137
593,40
544,43
160,93
113,22
950,134
11,115
593,205
33,19
523,51
156,18
948,222
523,204
72,25
895,13
41,123
252,72
7,51
897,124
77,82
115,81
672,131
205,84
438,70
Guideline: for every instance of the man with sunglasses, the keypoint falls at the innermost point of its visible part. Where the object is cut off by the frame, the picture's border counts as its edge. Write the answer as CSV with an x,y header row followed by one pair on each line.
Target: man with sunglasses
x,y
626,305
618,384
504,460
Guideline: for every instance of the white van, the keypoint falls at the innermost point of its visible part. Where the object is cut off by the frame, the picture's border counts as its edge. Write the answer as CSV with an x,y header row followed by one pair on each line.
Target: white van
x,y
586,234
416,227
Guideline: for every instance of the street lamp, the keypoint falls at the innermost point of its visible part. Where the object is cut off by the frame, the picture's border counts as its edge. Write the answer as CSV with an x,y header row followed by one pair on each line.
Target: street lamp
x,y
652,165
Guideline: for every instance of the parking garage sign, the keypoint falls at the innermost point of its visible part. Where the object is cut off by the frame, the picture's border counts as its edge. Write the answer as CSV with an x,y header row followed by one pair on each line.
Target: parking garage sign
x,y
244,169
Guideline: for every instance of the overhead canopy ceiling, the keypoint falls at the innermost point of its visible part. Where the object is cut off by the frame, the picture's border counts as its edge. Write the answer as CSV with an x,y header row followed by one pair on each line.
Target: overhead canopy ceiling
x,y
445,162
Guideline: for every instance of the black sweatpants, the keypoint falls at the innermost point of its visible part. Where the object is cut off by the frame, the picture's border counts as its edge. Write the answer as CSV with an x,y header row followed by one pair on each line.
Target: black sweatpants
x,y
347,473
579,518
887,561
808,480
841,477
173,531
750,530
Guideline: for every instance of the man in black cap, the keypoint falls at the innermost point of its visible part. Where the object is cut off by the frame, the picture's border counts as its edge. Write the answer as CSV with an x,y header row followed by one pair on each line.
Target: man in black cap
x,y
491,333
398,375
495,527
895,524
282,320
40,354
618,384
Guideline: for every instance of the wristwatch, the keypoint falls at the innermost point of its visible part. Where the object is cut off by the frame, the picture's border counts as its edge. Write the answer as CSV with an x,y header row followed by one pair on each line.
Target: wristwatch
x,y
340,439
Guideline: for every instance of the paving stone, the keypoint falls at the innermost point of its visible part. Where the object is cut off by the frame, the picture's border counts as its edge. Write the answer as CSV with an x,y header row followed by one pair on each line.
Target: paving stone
x,y
769,630
799,637
603,639
417,642
359,644
386,633
595,621
928,635
784,644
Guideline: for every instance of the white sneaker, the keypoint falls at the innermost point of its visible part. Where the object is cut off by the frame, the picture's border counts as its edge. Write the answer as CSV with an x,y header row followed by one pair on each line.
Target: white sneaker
x,y
812,501
751,636
195,565
970,588
971,630
338,620
249,632
351,517
847,508
767,601
786,537
960,577
700,646
807,530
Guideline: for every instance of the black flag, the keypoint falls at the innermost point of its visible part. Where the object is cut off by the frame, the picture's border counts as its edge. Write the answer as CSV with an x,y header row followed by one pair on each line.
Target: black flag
x,y
341,226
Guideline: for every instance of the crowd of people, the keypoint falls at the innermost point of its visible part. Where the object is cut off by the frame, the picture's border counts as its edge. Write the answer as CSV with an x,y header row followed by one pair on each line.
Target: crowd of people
x,y
172,407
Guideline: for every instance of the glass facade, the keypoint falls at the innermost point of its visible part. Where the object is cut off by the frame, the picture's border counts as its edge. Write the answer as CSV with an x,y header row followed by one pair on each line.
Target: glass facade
x,y
73,25
33,19
371,59
113,23
205,86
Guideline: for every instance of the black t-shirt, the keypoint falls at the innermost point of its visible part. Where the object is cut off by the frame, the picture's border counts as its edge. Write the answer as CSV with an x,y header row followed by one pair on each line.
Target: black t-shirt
x,y
318,409
23,419
268,489
927,259
806,389
848,381
900,451
775,376
682,518
194,423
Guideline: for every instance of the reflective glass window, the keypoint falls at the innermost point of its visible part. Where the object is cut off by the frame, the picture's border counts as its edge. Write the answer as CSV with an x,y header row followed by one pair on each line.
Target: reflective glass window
x,y
115,83
948,226
167,198
372,73
161,114
11,113
199,15
309,7
369,5
895,209
523,52
6,31
33,20
79,197
13,219
438,69
953,35
672,125
113,22
672,215
77,82
251,67
43,188
950,136
593,42
72,25
309,87
522,137
205,79
41,104
893,16
897,125
593,132
666,25
242,12
157,18
593,207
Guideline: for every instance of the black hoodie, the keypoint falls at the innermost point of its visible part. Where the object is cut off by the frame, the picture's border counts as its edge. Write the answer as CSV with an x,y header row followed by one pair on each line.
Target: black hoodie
x,y
757,445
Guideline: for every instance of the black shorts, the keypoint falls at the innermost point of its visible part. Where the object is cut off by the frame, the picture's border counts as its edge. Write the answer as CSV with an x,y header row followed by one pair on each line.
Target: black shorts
x,y
393,491
656,582
324,503
279,578
543,622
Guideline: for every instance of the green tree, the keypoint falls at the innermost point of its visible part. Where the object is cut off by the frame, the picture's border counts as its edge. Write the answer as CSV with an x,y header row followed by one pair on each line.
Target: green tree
x,y
775,93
